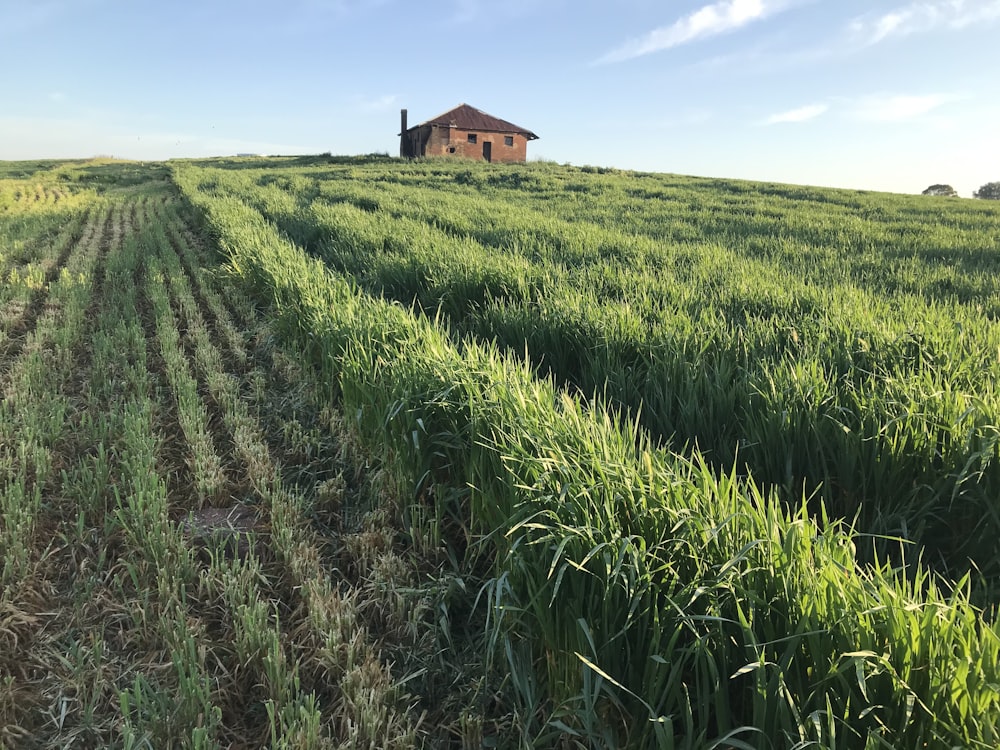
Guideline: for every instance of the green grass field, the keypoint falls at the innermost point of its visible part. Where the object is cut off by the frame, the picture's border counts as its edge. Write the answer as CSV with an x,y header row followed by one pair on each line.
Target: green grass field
x,y
361,453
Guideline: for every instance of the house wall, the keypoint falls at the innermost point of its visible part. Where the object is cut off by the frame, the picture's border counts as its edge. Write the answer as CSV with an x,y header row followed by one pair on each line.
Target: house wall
x,y
443,139
414,141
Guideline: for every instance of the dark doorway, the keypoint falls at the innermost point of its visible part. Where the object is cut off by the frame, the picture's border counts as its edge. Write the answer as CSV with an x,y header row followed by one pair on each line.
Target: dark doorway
x,y
488,150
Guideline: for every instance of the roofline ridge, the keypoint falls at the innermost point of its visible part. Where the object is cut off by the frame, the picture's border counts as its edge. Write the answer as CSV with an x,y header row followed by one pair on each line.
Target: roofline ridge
x,y
512,129
436,117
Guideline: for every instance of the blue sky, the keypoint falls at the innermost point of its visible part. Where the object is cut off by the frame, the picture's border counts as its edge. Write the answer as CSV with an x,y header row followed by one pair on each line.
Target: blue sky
x,y
884,95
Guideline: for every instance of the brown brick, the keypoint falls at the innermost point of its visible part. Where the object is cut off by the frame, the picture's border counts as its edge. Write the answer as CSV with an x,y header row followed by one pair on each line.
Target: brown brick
x,y
438,138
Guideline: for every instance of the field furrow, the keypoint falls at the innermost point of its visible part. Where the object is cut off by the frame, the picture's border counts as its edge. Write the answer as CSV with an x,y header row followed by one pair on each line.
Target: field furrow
x,y
41,401
392,455
164,584
28,288
370,692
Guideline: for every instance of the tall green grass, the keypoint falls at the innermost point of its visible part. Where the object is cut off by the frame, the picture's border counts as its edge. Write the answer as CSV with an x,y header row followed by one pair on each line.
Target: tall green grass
x,y
635,596
884,407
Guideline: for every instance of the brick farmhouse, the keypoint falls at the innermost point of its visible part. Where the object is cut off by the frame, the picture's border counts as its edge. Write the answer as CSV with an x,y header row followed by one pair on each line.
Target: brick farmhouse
x,y
465,132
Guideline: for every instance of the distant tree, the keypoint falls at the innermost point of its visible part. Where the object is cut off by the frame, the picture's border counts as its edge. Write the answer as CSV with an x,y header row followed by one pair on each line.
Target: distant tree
x,y
988,192
945,190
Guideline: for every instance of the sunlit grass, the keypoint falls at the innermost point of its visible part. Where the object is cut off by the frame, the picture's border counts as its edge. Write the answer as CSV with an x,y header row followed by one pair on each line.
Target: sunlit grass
x,y
836,362
629,583
532,456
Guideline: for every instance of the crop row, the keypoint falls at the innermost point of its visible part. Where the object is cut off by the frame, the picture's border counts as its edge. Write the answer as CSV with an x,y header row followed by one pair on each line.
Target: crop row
x,y
161,583
33,416
36,421
883,407
883,243
626,581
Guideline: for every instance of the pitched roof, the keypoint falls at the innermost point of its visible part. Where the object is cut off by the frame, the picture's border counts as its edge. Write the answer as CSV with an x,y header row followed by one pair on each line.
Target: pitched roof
x,y
469,118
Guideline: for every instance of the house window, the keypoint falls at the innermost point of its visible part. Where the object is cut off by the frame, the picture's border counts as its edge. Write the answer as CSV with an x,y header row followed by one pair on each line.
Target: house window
x,y
508,140
473,138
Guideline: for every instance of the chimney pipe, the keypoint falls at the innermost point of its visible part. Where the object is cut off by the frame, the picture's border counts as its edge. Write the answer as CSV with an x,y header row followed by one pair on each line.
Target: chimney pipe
x,y
403,139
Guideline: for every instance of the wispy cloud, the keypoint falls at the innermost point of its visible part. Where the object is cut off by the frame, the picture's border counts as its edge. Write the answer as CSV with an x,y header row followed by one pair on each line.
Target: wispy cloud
x,y
922,17
21,18
377,103
466,11
898,107
470,11
688,117
874,108
710,20
801,114
343,7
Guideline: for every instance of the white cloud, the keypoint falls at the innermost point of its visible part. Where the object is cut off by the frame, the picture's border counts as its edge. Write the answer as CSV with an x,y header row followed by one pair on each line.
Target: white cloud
x,y
466,11
378,103
976,12
20,18
343,7
890,24
898,107
708,21
685,118
802,114
924,16
688,117
469,11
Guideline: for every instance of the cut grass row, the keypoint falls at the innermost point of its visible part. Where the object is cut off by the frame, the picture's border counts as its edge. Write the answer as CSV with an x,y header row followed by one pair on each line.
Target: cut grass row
x,y
633,592
37,421
403,584
34,413
122,621
28,269
347,659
